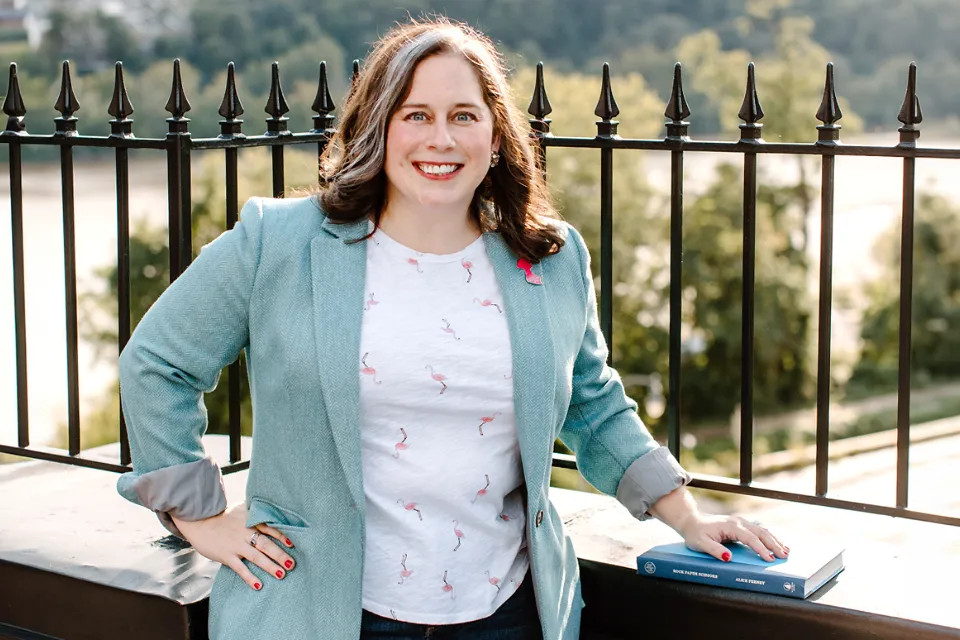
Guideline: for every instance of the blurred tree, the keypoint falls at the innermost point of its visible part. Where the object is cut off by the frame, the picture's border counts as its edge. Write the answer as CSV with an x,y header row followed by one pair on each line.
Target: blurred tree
x,y
935,350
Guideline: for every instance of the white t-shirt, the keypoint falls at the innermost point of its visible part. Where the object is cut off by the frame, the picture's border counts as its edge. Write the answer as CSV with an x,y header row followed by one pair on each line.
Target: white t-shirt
x,y
441,460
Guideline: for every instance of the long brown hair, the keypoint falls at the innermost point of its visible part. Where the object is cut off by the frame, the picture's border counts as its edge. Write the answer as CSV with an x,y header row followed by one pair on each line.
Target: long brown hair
x,y
512,199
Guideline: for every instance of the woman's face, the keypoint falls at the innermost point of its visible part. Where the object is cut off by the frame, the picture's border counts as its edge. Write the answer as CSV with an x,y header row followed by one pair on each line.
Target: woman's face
x,y
440,139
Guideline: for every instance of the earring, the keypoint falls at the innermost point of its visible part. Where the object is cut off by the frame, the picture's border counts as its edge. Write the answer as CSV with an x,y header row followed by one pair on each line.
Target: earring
x,y
494,159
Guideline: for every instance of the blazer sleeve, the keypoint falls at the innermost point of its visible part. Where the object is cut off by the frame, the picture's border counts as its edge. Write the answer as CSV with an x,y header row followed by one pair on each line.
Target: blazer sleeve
x,y
198,326
615,451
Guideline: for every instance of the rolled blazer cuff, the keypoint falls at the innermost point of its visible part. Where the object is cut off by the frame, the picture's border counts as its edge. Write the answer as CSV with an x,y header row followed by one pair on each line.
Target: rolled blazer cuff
x,y
191,491
650,477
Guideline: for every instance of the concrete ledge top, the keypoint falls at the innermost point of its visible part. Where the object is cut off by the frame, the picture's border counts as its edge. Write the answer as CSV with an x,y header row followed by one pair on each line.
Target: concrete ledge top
x,y
71,521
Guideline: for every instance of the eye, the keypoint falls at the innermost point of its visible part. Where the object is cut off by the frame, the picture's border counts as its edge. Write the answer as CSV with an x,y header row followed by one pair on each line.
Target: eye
x,y
465,116
417,116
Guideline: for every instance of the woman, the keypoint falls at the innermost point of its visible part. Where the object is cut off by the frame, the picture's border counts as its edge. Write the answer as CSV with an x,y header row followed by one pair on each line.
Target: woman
x,y
417,336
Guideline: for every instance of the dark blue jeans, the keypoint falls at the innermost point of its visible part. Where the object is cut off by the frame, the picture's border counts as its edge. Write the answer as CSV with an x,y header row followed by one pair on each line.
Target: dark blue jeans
x,y
516,619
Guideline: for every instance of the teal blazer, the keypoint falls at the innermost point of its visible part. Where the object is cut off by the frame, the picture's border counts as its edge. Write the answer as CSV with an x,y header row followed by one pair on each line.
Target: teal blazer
x,y
286,285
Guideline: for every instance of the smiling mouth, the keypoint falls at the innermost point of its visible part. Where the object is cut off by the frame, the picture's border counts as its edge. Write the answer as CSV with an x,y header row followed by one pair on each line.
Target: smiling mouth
x,y
437,170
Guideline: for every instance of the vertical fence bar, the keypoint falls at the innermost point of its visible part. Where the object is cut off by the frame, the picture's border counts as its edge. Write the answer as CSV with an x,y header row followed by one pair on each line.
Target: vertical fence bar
x,y
677,110
70,297
178,175
123,275
230,129
606,110
910,115
66,128
828,136
121,127
277,127
750,136
15,110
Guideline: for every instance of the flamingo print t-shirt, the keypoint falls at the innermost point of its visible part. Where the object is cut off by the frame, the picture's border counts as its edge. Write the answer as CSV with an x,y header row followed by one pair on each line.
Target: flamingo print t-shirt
x,y
441,460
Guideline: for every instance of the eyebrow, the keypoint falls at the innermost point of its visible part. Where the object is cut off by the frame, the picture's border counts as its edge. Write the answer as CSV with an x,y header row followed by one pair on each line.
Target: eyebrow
x,y
459,105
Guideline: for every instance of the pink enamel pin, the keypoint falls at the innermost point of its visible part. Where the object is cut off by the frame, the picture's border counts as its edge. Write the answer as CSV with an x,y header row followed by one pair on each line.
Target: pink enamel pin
x,y
527,269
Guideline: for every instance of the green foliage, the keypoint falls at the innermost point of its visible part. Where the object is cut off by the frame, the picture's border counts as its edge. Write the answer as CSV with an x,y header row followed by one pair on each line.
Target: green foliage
x,y
936,301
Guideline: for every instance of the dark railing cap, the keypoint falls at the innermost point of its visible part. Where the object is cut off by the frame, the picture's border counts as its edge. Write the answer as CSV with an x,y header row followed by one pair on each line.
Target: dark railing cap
x,y
677,109
276,103
607,108
67,103
829,112
323,102
178,104
750,110
539,103
910,113
231,107
120,106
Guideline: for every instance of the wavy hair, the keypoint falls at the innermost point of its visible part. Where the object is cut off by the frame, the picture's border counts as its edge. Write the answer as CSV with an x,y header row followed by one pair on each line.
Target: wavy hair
x,y
512,199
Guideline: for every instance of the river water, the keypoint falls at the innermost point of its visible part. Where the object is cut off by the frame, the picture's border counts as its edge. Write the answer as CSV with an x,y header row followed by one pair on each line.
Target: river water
x,y
868,196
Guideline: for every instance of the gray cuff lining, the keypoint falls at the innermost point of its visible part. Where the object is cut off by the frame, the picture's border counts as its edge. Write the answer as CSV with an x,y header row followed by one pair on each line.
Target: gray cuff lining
x,y
649,478
191,491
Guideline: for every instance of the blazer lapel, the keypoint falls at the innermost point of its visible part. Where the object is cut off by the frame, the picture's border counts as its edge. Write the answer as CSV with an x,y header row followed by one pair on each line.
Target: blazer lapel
x,y
339,274
534,362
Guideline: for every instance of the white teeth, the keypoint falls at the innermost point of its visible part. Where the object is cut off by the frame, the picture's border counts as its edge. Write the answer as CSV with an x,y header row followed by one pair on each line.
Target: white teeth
x,y
438,169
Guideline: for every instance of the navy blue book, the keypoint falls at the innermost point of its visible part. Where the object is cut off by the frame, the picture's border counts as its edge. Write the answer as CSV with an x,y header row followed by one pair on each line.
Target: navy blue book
x,y
806,570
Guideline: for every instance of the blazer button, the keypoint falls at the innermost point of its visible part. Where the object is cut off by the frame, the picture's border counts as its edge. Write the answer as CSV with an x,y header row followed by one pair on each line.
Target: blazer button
x,y
539,517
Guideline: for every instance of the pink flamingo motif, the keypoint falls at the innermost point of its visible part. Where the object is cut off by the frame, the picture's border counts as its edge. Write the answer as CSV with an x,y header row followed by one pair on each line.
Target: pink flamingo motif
x,y
516,585
439,377
466,264
406,573
487,420
447,329
495,581
367,370
447,587
370,303
411,506
481,492
402,445
488,303
415,263
457,533
508,376
505,517
527,269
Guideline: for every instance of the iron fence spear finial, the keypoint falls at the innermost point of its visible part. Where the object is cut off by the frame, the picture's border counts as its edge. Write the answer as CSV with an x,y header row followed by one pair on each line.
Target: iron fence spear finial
x,y
120,106
750,110
607,108
356,72
230,106
67,103
539,103
677,109
178,104
829,112
910,113
13,104
323,103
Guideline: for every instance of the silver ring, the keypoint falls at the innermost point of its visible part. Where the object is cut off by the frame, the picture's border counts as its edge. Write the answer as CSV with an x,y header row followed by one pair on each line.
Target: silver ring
x,y
253,538
757,523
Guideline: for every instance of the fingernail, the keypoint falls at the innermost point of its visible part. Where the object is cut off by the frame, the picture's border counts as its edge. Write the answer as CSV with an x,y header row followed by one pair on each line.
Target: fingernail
x,y
256,585
279,573
288,564
726,556
289,543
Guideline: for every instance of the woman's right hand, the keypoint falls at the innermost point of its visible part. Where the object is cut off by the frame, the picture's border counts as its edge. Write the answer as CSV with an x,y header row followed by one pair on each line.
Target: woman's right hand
x,y
225,538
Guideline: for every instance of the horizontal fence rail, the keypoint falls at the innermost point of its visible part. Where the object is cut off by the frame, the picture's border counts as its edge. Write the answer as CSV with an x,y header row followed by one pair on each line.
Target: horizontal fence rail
x,y
179,147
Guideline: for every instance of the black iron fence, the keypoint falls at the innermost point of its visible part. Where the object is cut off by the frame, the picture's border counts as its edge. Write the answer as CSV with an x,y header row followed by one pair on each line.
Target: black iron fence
x,y
179,147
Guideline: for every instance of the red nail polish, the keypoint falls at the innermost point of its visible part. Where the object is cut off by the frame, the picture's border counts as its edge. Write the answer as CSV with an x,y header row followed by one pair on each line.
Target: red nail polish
x,y
289,543
288,564
256,586
726,556
279,573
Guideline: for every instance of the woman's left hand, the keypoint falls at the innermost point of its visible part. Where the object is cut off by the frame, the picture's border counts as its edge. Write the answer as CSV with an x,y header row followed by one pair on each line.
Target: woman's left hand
x,y
707,533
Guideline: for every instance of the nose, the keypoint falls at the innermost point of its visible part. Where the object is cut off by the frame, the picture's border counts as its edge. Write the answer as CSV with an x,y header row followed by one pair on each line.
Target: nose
x,y
440,136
